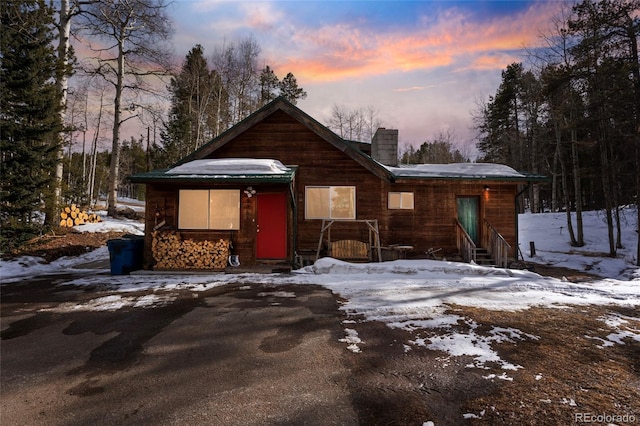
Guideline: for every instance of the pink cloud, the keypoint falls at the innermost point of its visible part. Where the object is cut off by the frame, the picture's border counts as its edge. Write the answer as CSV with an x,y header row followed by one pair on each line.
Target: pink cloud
x,y
420,88
340,51
262,16
410,89
491,62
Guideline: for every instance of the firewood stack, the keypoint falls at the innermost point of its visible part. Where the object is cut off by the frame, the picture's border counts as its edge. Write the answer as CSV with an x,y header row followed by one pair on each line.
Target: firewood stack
x,y
72,216
170,251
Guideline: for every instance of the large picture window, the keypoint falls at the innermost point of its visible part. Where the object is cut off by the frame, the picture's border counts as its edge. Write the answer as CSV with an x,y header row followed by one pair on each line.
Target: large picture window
x,y
400,201
330,202
215,209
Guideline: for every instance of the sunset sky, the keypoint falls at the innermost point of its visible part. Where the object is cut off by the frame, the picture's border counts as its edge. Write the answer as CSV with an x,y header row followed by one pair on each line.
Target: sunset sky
x,y
423,64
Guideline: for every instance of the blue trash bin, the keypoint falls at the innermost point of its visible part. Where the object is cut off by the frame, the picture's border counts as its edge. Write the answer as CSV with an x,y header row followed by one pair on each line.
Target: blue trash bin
x,y
125,255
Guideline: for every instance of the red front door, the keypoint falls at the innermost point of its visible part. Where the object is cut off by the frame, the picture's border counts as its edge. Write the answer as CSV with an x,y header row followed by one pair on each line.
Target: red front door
x,y
272,226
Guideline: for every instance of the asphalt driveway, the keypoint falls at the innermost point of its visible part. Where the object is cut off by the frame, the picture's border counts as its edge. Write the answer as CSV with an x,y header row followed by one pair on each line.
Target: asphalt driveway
x,y
234,355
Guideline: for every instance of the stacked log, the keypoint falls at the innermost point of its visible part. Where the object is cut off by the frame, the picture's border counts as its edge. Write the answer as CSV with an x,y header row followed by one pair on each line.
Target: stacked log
x,y
72,216
170,251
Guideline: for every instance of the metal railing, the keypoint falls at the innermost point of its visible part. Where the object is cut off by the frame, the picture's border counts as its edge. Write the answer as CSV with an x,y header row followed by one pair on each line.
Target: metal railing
x,y
495,244
465,244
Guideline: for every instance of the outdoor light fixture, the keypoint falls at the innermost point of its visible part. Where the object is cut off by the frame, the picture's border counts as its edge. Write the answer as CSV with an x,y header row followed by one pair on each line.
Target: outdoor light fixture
x,y
486,188
250,191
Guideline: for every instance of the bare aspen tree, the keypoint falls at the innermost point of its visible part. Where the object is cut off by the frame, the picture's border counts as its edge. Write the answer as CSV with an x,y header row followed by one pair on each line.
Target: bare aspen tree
x,y
248,76
236,64
564,107
129,40
62,80
91,181
605,57
354,124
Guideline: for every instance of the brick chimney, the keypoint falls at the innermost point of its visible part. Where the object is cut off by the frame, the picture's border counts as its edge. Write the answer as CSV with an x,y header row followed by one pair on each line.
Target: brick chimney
x,y
384,146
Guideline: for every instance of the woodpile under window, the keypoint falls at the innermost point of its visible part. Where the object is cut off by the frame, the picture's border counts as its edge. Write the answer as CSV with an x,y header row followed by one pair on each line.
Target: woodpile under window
x,y
170,251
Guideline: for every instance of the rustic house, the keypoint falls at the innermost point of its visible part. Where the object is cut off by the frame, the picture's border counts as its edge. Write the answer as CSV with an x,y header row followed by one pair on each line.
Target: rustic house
x,y
281,189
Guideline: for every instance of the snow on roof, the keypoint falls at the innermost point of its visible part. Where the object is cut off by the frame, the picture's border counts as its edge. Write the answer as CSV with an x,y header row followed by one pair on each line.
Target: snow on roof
x,y
456,170
230,166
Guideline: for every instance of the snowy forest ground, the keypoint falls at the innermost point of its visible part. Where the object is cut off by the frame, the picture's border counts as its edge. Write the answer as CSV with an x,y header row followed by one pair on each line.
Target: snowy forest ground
x,y
436,341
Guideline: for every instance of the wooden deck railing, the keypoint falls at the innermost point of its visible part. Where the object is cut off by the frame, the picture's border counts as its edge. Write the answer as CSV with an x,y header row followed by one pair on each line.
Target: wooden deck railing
x,y
495,244
464,243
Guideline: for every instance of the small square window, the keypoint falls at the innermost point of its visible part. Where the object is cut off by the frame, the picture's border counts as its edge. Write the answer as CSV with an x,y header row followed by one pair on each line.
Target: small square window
x,y
400,201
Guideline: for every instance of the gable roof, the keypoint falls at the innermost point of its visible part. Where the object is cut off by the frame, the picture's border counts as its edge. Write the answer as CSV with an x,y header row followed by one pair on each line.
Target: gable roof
x,y
355,150
281,104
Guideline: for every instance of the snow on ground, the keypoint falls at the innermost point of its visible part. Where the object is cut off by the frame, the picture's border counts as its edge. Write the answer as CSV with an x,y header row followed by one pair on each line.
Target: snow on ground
x,y
123,203
124,225
552,242
415,295
15,270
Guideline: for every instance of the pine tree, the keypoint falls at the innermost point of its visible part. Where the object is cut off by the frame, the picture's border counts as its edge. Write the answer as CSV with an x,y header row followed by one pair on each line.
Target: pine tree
x,y
269,84
289,89
29,117
193,116
581,121
607,35
501,138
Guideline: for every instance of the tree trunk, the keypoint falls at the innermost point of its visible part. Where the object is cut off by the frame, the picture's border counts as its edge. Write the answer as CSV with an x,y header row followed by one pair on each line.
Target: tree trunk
x,y
147,155
92,169
577,185
534,193
638,195
606,188
219,109
565,185
535,188
94,154
616,202
115,148
554,183
618,228
85,126
64,44
635,71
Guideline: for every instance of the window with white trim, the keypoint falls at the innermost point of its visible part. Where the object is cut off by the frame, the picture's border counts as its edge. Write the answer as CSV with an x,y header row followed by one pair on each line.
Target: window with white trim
x,y
330,202
216,209
400,201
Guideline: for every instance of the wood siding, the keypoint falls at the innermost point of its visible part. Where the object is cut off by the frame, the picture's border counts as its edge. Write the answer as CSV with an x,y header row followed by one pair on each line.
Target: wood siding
x,y
163,200
319,163
431,223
